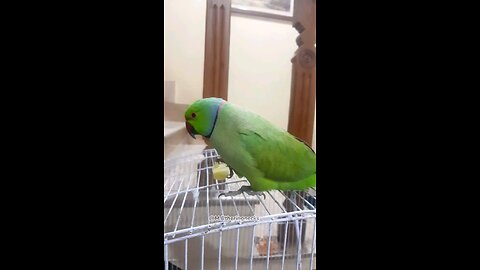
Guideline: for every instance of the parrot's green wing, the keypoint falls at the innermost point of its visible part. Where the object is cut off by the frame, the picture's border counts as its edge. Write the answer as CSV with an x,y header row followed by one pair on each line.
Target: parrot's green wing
x,y
278,155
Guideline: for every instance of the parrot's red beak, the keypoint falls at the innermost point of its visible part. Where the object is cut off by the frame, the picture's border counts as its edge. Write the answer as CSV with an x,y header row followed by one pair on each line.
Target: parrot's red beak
x,y
190,129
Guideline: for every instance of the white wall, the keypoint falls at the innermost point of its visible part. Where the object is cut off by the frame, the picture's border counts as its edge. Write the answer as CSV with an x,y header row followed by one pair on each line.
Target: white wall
x,y
260,67
184,40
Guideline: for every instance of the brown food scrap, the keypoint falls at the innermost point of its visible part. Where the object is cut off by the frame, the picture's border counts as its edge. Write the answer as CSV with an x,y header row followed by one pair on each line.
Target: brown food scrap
x,y
262,246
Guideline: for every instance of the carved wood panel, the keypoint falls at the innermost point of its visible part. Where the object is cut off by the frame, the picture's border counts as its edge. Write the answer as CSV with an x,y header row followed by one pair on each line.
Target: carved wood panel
x,y
302,97
217,45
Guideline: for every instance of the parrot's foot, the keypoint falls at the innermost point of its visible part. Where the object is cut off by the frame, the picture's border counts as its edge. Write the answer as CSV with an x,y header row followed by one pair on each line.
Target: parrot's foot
x,y
231,173
246,189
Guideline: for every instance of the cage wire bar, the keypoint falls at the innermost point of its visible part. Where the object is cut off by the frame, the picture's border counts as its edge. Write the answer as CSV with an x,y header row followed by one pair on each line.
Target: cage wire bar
x,y
203,231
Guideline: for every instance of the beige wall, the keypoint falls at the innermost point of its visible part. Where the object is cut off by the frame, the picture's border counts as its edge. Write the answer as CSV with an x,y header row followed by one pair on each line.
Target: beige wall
x,y
184,40
260,68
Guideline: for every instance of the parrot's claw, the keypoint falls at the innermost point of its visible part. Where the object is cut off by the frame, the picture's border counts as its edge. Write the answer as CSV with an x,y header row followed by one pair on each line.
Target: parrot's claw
x,y
231,193
253,193
231,173
246,189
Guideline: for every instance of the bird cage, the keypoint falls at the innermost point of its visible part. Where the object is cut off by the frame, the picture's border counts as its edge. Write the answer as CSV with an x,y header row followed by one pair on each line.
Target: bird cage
x,y
205,231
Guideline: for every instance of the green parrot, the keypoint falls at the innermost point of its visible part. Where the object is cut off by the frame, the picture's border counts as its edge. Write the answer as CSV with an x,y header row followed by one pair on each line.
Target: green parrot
x,y
270,158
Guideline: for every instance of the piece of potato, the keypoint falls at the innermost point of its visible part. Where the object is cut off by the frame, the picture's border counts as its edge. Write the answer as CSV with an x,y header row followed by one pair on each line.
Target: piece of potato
x,y
220,171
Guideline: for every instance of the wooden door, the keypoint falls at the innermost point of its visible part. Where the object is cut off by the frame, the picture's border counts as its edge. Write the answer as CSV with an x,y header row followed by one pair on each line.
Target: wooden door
x,y
217,44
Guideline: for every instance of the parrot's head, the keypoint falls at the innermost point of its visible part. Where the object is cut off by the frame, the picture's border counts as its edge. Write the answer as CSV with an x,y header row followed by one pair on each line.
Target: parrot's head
x,y
201,116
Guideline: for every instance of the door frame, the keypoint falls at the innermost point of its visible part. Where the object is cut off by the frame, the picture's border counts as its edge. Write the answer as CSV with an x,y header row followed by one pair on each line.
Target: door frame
x,y
303,83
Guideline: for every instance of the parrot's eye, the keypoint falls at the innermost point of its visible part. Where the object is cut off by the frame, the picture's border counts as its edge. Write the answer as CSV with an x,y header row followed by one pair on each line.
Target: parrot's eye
x,y
194,115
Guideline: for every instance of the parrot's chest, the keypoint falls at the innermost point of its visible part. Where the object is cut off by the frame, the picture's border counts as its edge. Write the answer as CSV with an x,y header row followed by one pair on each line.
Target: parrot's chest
x,y
225,149
226,139
230,150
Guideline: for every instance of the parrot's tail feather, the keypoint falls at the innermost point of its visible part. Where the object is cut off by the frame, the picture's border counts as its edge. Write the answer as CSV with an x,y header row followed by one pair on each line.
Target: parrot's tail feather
x,y
306,144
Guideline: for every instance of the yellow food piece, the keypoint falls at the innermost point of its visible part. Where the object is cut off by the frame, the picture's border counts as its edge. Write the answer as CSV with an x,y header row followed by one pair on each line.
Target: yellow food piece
x,y
220,171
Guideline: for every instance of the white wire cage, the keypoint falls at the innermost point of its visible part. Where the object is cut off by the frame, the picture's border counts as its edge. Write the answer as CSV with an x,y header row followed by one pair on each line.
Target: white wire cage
x,y
205,231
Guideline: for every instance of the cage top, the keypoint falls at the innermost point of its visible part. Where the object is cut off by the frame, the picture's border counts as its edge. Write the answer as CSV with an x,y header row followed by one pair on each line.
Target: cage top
x,y
193,207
